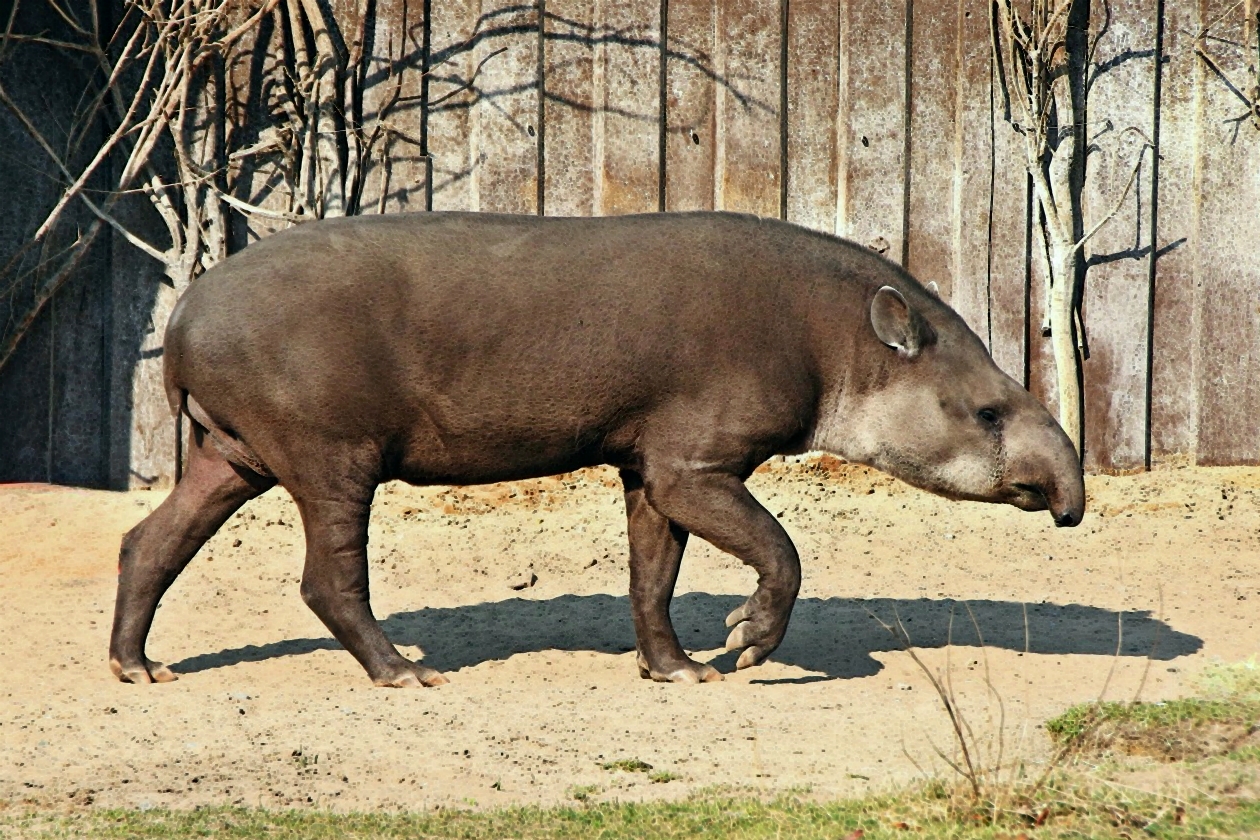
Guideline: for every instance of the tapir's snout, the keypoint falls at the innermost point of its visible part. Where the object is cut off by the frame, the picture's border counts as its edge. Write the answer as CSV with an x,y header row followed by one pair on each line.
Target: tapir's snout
x,y
1067,505
1044,473
1068,519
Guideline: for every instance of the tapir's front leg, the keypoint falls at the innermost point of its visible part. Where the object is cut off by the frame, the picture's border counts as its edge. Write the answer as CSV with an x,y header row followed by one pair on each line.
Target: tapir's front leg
x,y
717,507
656,550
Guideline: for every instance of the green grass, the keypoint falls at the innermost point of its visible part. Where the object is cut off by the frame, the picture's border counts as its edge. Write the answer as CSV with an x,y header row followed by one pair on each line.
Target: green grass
x,y
1077,722
913,813
1224,721
1238,681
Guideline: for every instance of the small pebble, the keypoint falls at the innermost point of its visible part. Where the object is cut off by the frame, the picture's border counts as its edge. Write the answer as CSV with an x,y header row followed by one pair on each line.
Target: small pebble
x,y
522,580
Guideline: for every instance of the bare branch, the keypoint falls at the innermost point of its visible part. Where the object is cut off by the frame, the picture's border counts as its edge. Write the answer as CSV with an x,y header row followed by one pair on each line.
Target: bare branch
x,y
1137,167
47,291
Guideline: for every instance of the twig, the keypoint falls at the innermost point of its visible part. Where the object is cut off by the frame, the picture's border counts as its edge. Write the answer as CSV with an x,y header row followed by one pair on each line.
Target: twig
x,y
1137,166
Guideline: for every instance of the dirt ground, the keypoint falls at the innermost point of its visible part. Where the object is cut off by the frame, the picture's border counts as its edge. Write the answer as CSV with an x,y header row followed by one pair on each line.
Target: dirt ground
x,y
270,711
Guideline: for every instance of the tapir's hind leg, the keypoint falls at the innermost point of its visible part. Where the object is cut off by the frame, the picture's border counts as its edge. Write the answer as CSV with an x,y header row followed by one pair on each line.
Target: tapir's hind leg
x,y
335,587
656,550
157,550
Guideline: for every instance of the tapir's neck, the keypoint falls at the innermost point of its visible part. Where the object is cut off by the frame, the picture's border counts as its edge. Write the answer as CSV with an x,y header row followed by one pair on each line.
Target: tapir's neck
x,y
844,427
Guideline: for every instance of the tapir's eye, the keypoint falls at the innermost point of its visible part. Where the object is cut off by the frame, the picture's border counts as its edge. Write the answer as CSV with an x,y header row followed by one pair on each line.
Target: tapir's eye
x,y
987,415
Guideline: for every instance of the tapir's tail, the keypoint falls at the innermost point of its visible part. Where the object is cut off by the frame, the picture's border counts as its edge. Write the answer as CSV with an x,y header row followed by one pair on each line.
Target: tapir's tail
x,y
229,445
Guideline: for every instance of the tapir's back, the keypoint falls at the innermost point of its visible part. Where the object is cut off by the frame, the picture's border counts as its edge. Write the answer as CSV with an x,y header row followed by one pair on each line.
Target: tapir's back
x,y
450,332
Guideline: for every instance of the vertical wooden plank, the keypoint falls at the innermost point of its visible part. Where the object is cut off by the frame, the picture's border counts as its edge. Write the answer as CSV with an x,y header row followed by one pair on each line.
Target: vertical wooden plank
x,y
571,109
629,165
1115,298
934,144
1228,274
454,90
691,105
505,172
1008,250
1173,411
747,164
51,388
873,181
394,41
813,103
24,406
78,445
142,429
28,183
973,171
1008,233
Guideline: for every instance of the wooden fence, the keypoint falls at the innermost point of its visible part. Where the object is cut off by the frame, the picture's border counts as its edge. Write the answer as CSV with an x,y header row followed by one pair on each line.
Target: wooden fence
x,y
876,120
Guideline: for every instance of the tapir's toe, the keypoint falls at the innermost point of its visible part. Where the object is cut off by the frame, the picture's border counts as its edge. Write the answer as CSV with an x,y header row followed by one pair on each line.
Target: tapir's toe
x,y
757,645
750,657
691,674
688,672
414,676
149,672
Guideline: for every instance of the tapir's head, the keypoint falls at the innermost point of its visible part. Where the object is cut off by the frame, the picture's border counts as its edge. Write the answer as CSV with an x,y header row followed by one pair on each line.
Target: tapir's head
x,y
929,406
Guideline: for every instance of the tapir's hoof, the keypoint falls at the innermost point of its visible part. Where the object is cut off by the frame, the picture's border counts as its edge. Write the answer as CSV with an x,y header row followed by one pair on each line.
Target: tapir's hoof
x,y
744,636
149,672
750,635
414,676
689,672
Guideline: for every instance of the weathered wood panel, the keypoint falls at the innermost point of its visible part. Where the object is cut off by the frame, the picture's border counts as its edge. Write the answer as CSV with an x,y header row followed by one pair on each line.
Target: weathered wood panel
x,y
690,105
142,430
571,108
813,102
873,180
747,165
454,91
505,118
973,177
51,425
629,58
396,172
1228,271
1120,128
935,148
1009,230
1174,368
78,386
25,402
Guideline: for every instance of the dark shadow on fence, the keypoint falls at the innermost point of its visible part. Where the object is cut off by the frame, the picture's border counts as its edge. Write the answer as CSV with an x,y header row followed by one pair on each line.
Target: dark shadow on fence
x,y
835,637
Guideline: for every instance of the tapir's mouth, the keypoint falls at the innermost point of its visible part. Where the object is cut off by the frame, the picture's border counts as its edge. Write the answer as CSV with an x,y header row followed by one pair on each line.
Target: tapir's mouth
x,y
1033,498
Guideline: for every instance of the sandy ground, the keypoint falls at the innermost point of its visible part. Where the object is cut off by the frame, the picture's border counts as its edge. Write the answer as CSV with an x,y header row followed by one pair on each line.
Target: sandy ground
x,y
544,691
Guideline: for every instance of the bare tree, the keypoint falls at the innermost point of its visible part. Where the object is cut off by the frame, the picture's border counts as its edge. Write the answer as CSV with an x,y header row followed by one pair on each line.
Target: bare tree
x,y
162,84
1230,47
1042,52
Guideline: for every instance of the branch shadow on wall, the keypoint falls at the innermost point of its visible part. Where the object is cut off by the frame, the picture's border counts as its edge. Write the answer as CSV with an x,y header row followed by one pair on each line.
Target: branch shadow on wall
x,y
833,638
455,84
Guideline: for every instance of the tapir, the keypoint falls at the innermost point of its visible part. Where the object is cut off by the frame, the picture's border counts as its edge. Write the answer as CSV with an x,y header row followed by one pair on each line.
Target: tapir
x,y
467,348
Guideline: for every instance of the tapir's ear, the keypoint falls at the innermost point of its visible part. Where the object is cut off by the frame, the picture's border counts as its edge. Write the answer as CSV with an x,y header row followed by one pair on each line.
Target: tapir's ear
x,y
897,325
933,289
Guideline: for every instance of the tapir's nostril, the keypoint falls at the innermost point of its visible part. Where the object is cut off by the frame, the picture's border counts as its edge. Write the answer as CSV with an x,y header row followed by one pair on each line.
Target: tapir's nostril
x,y
1067,519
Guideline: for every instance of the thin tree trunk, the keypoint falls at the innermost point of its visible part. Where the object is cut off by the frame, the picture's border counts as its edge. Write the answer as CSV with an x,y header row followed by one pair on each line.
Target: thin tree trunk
x,y
1067,358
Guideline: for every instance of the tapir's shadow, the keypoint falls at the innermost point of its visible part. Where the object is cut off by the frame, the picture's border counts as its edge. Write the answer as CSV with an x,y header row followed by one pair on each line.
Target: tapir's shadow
x,y
834,637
